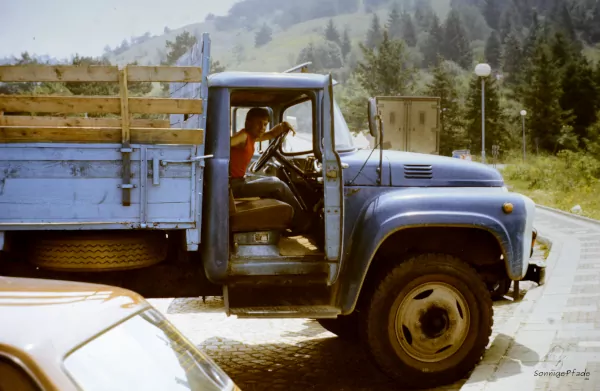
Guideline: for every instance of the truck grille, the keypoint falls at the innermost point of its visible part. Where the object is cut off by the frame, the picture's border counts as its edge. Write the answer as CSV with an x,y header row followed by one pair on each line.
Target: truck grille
x,y
418,171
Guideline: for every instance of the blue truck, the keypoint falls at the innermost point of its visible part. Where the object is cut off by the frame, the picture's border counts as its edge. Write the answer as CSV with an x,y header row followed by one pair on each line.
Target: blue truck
x,y
410,250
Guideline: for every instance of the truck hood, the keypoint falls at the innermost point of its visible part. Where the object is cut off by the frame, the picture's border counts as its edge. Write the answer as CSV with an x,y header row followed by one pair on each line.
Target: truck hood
x,y
407,169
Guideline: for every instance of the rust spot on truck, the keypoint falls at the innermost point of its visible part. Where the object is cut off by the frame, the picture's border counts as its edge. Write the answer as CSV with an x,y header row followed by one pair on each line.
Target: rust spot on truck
x,y
351,192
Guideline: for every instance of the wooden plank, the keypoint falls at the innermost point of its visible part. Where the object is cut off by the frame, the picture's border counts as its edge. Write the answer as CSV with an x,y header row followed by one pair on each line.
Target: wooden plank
x,y
125,116
30,121
22,134
58,73
165,106
98,73
97,104
165,74
60,104
125,137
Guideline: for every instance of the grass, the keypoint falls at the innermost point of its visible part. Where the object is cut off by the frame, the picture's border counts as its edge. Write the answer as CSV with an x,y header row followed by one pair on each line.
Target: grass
x,y
559,182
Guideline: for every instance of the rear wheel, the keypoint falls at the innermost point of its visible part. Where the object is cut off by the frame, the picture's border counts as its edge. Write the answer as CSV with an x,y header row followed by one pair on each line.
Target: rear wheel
x,y
429,321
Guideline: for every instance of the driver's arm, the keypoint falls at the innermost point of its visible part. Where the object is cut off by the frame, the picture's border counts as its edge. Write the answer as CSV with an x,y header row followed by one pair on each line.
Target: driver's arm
x,y
276,131
238,139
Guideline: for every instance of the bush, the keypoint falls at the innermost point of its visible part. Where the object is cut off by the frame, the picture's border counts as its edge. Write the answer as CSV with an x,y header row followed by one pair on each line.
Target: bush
x,y
566,172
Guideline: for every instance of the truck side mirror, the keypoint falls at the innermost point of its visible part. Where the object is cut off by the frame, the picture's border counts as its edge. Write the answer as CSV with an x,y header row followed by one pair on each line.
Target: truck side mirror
x,y
373,123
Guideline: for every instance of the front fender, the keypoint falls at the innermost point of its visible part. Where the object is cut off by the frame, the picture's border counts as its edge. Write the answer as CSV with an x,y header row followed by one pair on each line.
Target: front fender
x,y
389,212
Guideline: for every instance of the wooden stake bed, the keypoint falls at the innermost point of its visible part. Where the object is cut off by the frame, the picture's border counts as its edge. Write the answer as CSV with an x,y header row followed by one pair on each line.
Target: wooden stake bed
x,y
50,124
54,126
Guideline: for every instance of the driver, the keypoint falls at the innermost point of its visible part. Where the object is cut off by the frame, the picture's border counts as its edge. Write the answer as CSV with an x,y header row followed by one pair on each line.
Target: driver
x,y
241,152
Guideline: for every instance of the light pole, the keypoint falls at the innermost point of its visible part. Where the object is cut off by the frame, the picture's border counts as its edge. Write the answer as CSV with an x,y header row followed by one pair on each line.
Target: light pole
x,y
483,71
523,114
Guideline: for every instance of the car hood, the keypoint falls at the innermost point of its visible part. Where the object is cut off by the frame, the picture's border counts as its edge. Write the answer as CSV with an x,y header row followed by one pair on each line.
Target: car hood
x,y
407,169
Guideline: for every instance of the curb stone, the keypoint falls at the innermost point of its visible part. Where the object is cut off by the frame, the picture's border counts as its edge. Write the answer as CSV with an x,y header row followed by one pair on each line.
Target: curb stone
x,y
569,214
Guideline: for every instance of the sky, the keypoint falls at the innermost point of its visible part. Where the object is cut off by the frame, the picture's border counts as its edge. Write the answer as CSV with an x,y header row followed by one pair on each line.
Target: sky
x,y
61,28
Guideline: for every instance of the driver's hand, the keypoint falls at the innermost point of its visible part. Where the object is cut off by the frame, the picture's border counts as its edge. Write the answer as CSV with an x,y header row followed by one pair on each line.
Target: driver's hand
x,y
286,125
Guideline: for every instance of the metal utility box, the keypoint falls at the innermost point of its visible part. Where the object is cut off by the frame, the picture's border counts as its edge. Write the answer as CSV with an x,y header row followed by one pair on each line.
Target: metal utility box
x,y
410,124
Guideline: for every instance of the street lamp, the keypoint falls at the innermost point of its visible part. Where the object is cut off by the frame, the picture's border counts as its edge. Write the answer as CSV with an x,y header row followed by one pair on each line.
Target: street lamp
x,y
523,114
483,71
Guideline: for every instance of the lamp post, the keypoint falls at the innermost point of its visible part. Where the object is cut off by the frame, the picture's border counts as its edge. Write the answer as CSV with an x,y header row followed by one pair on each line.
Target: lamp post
x,y
483,71
523,114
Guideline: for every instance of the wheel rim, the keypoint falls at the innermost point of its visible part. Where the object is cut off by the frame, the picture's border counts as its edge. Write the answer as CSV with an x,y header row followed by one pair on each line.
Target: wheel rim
x,y
432,322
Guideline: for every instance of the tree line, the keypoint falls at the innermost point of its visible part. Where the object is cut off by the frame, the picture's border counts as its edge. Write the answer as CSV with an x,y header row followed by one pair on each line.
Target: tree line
x,y
536,51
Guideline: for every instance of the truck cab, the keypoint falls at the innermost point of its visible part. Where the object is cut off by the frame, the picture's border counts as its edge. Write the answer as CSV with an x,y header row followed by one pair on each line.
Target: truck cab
x,y
406,254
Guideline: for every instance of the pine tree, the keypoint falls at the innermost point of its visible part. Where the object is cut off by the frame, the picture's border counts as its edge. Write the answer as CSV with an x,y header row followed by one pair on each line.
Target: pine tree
x,y
408,30
332,34
394,23
561,18
493,50
457,47
374,35
183,43
535,32
433,46
423,14
541,92
580,96
443,85
492,13
385,70
346,44
513,61
263,36
563,52
510,21
494,116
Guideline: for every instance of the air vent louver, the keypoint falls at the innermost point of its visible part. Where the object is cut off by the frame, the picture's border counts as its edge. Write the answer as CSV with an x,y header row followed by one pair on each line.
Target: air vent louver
x,y
418,171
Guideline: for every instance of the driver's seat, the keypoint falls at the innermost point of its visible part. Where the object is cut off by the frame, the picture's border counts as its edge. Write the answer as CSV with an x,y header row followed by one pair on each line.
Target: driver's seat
x,y
265,214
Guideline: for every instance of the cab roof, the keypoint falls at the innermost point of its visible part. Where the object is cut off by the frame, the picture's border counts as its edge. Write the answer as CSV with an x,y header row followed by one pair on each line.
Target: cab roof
x,y
268,80
44,320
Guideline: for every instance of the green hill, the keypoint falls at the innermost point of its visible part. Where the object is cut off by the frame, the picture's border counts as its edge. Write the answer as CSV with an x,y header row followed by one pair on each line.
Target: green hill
x,y
235,48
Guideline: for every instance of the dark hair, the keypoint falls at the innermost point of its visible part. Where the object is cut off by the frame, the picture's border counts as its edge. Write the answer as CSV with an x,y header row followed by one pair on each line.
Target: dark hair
x,y
256,112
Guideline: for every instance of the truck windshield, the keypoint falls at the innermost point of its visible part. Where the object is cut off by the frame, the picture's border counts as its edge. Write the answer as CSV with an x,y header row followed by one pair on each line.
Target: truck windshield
x,y
144,353
343,137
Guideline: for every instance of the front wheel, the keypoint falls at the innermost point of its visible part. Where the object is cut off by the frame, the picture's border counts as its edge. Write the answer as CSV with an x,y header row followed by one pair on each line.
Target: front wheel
x,y
429,321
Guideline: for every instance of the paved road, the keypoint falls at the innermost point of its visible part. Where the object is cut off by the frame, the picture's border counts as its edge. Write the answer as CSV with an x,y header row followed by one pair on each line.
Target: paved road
x,y
557,327
288,354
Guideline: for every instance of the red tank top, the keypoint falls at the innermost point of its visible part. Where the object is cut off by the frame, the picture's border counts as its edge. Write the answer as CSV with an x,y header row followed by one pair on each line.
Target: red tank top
x,y
240,157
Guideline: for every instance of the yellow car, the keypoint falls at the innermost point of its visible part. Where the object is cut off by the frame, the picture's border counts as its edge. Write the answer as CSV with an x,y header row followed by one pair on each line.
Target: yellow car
x,y
62,335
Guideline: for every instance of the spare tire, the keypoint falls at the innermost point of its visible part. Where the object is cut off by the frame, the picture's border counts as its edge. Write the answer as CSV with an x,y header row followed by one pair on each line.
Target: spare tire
x,y
98,252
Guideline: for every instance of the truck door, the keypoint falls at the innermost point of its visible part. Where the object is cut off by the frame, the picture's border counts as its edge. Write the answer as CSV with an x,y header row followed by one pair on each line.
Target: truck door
x,y
332,182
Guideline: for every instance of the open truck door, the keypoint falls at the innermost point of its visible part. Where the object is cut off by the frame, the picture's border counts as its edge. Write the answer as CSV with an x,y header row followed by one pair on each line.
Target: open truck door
x,y
332,183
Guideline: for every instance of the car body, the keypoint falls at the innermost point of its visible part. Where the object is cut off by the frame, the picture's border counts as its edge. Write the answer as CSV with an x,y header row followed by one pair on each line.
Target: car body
x,y
59,335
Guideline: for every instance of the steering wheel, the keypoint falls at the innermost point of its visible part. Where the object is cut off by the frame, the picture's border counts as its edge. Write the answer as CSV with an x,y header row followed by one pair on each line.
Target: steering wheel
x,y
269,152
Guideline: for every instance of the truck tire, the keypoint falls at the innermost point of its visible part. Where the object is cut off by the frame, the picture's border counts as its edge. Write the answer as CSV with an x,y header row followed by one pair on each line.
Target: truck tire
x,y
98,252
500,288
429,321
344,326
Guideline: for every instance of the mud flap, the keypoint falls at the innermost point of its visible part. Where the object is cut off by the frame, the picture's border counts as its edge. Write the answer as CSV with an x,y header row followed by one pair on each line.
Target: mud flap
x,y
536,272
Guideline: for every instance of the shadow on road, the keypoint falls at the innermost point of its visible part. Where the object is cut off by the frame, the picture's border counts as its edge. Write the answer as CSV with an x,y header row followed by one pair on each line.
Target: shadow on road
x,y
326,363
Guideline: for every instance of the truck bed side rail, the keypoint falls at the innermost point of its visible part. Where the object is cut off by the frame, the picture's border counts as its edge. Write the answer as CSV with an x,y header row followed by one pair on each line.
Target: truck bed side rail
x,y
60,119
